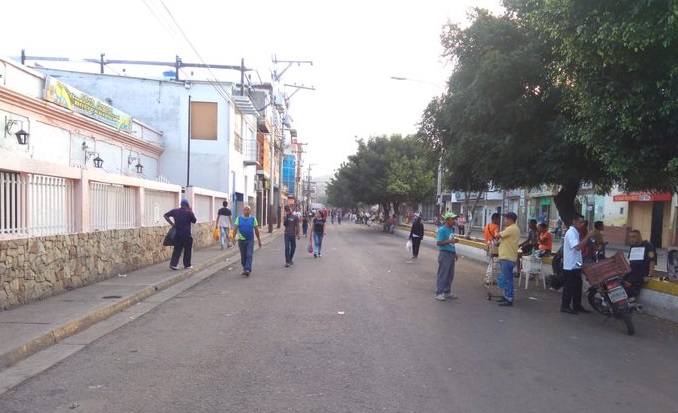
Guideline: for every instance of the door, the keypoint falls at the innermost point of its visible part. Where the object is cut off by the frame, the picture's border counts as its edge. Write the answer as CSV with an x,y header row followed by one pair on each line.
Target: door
x,y
657,224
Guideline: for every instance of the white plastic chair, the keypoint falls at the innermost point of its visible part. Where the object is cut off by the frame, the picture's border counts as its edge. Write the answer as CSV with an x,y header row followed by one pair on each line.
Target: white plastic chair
x,y
531,266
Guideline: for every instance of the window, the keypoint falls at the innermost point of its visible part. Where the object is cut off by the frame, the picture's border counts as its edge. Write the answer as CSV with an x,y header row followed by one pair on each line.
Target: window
x,y
204,120
237,132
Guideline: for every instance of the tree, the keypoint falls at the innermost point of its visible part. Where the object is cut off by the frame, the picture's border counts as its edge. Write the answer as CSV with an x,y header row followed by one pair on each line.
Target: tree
x,y
384,171
617,63
500,121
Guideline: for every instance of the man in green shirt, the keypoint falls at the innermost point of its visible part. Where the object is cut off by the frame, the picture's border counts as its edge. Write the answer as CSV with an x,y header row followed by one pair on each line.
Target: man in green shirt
x,y
508,254
246,228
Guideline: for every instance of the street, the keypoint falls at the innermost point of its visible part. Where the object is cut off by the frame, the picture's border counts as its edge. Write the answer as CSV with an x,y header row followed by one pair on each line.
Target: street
x,y
358,330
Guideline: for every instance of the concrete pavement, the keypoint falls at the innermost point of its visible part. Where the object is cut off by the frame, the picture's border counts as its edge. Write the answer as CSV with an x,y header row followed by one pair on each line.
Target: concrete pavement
x,y
28,329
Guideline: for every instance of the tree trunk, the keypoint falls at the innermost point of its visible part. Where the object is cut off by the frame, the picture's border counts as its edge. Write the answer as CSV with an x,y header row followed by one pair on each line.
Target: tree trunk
x,y
473,210
564,201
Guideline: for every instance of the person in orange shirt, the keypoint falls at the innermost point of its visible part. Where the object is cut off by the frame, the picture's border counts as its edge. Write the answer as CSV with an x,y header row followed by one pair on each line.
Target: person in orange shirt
x,y
491,232
545,240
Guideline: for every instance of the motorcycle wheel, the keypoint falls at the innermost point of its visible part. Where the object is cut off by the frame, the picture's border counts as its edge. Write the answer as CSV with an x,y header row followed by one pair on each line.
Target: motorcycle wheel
x,y
596,302
625,315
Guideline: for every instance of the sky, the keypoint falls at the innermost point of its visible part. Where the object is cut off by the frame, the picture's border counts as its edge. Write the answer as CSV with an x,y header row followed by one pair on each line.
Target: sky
x,y
355,47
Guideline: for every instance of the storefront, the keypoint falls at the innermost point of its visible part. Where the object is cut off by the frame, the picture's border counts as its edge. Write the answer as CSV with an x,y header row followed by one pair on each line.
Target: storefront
x,y
650,213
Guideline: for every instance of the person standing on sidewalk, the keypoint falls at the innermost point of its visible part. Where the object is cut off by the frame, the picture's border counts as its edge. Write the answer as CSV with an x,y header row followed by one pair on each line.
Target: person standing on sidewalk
x,y
508,255
416,235
319,231
292,232
304,224
447,257
183,241
246,227
224,223
573,244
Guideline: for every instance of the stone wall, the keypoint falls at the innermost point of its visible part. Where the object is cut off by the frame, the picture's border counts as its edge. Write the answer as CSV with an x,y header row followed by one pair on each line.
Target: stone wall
x,y
35,268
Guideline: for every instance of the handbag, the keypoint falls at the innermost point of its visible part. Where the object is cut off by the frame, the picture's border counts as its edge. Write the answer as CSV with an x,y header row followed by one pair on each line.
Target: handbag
x,y
169,238
408,245
310,248
215,234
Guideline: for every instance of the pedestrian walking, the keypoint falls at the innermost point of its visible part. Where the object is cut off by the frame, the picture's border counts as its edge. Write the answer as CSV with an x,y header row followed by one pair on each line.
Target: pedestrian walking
x,y
573,244
447,257
508,254
292,234
318,233
224,223
245,229
183,241
416,235
304,224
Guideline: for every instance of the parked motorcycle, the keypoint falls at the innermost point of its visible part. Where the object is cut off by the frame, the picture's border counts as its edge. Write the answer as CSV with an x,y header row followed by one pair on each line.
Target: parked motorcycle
x,y
607,294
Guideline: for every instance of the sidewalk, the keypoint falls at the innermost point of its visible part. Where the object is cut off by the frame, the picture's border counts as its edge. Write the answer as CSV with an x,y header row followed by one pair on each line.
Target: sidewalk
x,y
61,319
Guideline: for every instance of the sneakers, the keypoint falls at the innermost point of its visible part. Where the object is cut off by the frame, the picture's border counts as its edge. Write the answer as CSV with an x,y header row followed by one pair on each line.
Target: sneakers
x,y
246,273
583,310
174,267
320,255
450,296
315,255
506,304
440,297
567,310
287,264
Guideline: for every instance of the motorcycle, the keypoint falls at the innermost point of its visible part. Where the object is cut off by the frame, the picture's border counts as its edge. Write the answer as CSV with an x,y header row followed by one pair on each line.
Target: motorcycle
x,y
607,294
610,298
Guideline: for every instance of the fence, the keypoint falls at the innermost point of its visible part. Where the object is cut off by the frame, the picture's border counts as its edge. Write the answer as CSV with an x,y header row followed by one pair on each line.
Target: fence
x,y
38,205
20,192
202,204
156,204
111,206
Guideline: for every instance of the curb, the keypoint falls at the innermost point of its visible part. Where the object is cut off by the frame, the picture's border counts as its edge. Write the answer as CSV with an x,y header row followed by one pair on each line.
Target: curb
x,y
74,326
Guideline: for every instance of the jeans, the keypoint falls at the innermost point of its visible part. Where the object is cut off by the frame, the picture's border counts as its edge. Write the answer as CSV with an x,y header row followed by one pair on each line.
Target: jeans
x,y
290,247
572,289
224,236
304,228
184,244
507,274
317,241
445,275
246,253
416,242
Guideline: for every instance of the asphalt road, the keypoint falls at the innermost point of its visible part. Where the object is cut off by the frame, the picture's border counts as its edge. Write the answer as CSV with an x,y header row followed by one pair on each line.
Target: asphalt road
x,y
358,330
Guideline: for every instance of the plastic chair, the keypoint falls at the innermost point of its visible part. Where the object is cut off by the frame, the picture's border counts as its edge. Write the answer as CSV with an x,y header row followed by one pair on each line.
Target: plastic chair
x,y
531,266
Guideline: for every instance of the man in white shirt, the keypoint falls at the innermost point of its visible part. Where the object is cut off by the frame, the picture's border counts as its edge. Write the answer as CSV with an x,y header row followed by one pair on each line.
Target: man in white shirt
x,y
572,261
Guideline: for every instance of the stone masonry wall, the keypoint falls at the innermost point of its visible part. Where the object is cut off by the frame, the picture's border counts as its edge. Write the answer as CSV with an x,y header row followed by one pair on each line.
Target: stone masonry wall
x,y
35,268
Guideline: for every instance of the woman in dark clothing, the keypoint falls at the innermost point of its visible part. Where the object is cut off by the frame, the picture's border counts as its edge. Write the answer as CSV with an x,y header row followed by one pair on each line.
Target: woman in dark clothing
x,y
416,235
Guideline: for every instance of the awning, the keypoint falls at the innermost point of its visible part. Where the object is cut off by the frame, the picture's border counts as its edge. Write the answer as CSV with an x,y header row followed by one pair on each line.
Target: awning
x,y
245,105
642,197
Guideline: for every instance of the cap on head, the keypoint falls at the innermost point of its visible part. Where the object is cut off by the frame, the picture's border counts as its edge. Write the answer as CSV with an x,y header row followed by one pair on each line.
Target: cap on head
x,y
184,202
511,215
449,215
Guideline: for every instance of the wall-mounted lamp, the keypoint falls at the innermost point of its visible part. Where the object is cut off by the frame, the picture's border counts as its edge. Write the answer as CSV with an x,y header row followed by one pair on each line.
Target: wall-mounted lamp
x,y
97,161
21,134
139,167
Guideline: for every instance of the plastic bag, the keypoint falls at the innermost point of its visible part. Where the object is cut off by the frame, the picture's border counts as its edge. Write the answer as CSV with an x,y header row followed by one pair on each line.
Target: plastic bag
x,y
310,248
215,234
408,245
169,238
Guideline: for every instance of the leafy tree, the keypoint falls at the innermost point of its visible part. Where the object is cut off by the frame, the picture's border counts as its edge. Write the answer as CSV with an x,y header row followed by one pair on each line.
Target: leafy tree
x,y
500,121
384,171
617,63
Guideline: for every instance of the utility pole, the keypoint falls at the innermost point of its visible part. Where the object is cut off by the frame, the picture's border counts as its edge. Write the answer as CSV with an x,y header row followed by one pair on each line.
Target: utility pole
x,y
308,188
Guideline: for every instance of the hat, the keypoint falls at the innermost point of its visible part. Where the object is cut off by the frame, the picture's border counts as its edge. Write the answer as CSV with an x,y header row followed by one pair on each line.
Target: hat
x,y
449,215
184,202
511,215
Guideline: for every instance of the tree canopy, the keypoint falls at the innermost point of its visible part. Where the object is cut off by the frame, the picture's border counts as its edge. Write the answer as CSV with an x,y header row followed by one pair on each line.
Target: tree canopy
x,y
385,171
525,107
617,63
